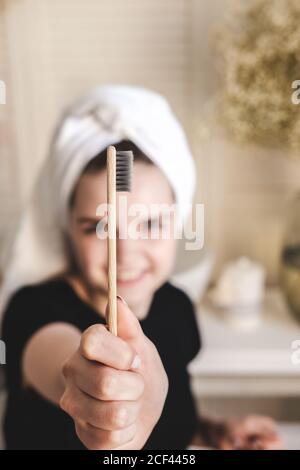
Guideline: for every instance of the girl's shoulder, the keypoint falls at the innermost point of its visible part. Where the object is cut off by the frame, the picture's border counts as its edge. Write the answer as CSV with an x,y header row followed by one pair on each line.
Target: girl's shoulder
x,y
35,305
41,290
168,293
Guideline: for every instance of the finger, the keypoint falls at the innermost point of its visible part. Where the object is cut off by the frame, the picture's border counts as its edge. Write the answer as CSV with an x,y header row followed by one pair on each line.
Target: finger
x,y
98,439
259,424
108,416
260,441
106,383
98,344
275,443
225,444
129,327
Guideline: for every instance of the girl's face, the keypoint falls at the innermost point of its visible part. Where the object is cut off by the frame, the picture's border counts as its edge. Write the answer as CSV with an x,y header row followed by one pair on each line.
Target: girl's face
x,y
143,265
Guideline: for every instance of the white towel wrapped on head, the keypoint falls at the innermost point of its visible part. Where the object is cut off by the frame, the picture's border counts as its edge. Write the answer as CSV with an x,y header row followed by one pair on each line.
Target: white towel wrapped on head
x,y
105,116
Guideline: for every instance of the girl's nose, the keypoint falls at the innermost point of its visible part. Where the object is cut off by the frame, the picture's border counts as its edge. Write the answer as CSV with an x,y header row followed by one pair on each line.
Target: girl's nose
x,y
126,248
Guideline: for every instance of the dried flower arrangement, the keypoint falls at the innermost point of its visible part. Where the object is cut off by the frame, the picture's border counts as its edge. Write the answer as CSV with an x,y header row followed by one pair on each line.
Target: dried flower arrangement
x,y
259,48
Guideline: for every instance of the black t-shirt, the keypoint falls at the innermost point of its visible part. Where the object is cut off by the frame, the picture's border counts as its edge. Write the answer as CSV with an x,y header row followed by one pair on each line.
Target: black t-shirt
x,y
32,422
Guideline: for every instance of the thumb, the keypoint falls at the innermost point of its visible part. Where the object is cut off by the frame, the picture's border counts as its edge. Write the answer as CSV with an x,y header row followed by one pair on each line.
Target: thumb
x,y
128,326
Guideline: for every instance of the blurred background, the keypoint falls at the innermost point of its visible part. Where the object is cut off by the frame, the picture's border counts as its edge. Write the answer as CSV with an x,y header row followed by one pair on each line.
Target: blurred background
x,y
227,69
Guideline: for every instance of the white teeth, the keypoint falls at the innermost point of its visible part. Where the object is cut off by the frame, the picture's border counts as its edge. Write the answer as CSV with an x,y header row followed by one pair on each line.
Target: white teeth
x,y
128,275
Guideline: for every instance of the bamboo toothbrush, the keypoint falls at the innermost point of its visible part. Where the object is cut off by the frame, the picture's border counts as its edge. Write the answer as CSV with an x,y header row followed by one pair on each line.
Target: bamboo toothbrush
x,y
119,166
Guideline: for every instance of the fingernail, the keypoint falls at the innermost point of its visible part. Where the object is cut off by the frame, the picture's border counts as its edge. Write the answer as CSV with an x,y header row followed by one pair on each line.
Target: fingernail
x,y
122,300
136,362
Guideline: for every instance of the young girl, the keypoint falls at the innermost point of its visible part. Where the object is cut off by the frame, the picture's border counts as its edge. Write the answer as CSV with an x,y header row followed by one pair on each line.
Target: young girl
x,y
71,383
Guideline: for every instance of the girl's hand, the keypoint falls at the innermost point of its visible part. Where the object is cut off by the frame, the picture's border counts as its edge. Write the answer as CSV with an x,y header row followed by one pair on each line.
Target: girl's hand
x,y
115,387
251,433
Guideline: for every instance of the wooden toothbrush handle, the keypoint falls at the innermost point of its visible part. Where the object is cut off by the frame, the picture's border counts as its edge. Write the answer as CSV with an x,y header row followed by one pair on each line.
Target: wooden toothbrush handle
x,y
111,241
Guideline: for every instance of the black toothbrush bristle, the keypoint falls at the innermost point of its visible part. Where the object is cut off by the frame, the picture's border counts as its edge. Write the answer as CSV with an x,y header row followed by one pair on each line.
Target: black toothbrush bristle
x,y
124,167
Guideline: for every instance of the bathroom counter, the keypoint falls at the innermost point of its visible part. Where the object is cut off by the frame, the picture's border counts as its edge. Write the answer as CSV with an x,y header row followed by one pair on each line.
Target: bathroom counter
x,y
248,362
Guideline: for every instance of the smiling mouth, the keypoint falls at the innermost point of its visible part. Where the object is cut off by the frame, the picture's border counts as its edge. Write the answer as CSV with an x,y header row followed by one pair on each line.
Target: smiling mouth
x,y
130,277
